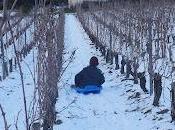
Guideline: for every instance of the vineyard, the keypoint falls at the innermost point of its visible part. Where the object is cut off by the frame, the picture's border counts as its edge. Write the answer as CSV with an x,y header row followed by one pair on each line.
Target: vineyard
x,y
19,32
31,63
45,46
141,38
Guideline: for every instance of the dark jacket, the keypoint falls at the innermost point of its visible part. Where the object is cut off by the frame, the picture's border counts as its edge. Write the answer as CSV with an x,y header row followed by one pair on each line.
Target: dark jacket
x,y
90,75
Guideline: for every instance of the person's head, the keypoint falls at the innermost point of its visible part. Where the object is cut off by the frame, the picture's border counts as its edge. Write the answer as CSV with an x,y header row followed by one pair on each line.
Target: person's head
x,y
93,61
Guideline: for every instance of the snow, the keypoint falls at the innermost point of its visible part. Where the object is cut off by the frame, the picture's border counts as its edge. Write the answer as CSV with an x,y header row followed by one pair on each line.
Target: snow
x,y
11,93
116,107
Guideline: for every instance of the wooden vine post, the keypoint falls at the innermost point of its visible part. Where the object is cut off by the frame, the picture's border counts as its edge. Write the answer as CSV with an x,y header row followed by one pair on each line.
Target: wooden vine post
x,y
149,50
173,101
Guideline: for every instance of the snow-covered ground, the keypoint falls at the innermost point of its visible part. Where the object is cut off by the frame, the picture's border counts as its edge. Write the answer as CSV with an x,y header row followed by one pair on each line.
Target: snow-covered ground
x,y
121,104
11,97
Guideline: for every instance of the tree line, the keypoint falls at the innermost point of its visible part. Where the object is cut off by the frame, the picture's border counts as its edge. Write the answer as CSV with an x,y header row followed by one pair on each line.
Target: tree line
x,y
26,5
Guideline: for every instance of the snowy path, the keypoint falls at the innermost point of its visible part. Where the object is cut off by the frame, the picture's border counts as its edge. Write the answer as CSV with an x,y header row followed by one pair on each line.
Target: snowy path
x,y
109,110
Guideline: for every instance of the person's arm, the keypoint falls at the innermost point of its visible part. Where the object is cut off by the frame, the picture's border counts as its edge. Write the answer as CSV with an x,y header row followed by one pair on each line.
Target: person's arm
x,y
78,78
101,77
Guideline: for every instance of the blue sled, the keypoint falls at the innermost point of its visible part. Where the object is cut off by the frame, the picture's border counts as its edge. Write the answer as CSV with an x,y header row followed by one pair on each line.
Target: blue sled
x,y
89,89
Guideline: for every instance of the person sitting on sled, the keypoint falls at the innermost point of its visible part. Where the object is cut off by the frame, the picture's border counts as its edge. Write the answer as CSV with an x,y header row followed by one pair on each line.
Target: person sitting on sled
x,y
90,75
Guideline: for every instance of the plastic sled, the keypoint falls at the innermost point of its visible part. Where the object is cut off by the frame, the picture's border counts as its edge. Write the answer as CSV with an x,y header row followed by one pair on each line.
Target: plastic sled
x,y
88,89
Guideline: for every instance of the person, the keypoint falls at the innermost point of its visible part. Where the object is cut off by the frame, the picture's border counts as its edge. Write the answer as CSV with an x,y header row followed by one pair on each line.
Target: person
x,y
90,75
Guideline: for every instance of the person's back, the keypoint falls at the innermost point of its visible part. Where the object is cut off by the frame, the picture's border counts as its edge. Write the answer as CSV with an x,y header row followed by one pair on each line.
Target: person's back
x,y
90,75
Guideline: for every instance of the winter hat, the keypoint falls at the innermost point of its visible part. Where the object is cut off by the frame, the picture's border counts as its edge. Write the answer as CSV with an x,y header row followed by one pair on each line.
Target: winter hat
x,y
94,61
